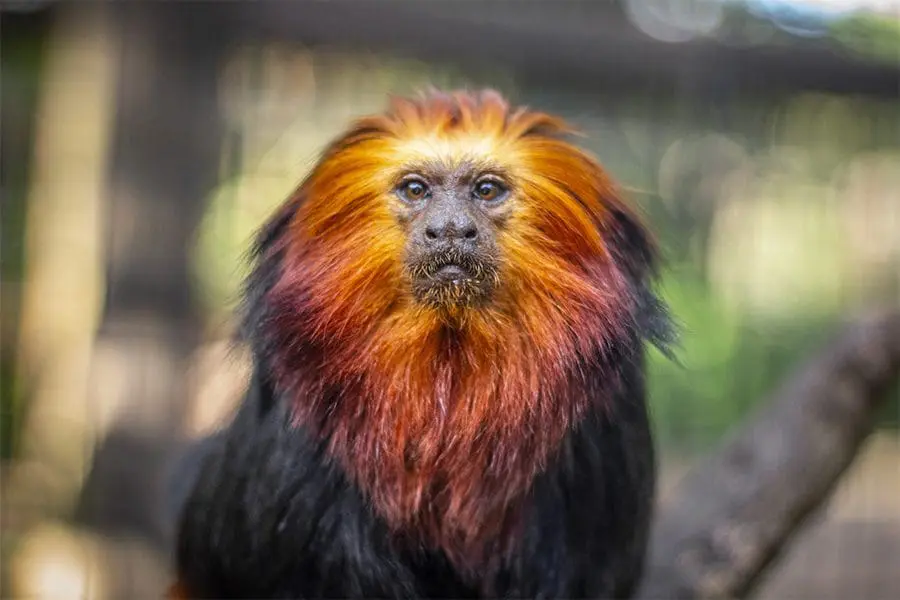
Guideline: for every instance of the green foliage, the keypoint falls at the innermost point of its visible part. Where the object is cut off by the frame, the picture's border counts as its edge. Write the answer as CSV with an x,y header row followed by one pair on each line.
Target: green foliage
x,y
21,58
728,362
687,397
871,35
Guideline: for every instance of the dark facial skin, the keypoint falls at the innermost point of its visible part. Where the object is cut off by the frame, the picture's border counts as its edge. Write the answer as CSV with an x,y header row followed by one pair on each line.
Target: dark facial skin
x,y
452,215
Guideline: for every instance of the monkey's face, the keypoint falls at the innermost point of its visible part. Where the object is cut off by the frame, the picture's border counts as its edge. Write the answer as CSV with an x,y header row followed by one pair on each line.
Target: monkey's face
x,y
451,214
454,204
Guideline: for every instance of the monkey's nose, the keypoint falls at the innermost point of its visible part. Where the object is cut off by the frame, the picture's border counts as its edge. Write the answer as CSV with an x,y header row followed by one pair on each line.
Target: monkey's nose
x,y
450,234
455,229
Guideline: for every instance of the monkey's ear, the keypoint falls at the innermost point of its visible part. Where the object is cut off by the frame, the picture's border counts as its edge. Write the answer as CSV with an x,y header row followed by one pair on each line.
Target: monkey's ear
x,y
265,255
638,255
275,228
657,324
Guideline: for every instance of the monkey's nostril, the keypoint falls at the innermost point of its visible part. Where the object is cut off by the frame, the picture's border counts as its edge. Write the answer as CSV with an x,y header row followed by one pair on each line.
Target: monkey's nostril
x,y
430,233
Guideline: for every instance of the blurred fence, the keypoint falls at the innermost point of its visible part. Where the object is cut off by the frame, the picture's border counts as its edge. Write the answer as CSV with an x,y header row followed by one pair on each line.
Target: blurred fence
x,y
144,142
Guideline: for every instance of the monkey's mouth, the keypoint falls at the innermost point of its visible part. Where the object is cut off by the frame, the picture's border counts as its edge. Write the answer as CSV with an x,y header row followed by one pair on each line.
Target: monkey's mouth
x,y
452,279
452,273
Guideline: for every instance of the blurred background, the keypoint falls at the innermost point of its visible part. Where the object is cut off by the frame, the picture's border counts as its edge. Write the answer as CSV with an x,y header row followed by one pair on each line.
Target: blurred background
x,y
144,142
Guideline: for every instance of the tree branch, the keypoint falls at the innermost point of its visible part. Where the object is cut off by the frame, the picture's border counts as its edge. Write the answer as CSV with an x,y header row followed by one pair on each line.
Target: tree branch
x,y
731,515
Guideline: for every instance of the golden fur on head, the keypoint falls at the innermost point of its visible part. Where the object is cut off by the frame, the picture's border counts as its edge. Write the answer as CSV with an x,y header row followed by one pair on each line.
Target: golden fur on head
x,y
445,419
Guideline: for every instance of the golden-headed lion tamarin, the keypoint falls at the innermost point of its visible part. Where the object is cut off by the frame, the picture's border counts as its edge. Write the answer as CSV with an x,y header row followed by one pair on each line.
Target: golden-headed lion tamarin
x,y
447,322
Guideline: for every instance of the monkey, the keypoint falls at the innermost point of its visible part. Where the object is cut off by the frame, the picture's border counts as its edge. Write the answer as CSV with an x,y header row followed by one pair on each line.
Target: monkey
x,y
447,321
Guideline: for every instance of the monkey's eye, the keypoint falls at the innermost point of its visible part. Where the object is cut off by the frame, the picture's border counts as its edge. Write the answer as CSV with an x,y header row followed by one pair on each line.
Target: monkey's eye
x,y
413,190
489,191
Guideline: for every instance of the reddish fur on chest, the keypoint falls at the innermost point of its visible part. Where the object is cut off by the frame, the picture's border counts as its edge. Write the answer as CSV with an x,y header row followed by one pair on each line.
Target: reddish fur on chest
x,y
444,428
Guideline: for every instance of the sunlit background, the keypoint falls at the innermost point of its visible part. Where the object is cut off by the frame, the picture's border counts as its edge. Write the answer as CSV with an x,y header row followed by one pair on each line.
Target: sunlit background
x,y
143,144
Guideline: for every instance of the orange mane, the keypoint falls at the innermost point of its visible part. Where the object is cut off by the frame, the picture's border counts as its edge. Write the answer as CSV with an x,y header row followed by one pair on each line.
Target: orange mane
x,y
444,418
